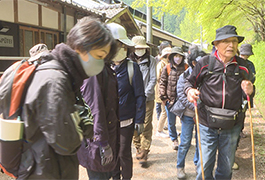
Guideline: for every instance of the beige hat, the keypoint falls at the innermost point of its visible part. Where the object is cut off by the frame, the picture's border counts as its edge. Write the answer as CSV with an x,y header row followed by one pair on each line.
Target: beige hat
x,y
177,50
139,42
166,51
119,33
37,51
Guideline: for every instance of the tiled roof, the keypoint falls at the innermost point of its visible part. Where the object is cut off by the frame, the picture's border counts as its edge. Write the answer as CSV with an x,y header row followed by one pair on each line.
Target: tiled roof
x,y
85,6
87,3
110,9
97,7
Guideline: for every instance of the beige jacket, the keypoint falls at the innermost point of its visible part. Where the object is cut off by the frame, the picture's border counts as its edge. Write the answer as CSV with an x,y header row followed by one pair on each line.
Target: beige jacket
x,y
160,65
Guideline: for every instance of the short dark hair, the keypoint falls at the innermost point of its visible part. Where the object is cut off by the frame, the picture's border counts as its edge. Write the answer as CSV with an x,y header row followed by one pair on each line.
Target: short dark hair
x,y
194,54
193,47
89,33
163,45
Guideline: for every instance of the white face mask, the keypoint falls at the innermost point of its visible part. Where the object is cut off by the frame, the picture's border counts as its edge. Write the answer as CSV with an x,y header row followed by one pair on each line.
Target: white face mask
x,y
140,52
177,60
121,55
93,66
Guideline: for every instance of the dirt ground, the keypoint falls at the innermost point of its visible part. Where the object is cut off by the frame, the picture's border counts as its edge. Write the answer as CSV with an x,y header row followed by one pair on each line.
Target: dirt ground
x,y
162,159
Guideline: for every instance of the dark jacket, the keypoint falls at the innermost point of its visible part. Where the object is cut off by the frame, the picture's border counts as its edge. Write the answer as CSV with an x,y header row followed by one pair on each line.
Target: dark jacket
x,y
131,97
101,95
51,137
252,68
215,91
168,82
182,98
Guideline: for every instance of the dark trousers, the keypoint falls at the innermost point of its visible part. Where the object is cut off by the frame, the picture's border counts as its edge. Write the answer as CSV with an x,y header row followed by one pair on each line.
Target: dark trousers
x,y
93,175
124,165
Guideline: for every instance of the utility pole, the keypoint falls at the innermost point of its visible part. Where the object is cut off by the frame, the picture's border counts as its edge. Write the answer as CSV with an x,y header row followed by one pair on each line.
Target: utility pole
x,y
149,33
162,21
64,25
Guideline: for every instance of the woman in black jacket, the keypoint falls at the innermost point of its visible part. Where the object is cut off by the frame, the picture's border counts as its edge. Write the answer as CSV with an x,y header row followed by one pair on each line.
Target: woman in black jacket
x,y
52,124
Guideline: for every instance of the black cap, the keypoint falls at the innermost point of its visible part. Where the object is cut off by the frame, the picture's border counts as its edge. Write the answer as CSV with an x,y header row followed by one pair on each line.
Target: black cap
x,y
227,32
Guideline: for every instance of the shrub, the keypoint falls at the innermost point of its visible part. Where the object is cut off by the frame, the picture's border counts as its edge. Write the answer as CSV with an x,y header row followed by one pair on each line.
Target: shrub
x,y
259,61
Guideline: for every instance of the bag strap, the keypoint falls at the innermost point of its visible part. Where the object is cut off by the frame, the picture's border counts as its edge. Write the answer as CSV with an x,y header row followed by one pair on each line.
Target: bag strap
x,y
186,66
168,69
212,60
130,70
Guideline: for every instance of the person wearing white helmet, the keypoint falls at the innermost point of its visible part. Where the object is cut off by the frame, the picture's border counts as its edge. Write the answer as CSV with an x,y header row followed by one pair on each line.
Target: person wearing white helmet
x,y
131,100
147,64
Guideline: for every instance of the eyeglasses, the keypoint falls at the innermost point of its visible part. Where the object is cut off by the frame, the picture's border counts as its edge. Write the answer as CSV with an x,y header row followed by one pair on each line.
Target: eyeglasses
x,y
226,41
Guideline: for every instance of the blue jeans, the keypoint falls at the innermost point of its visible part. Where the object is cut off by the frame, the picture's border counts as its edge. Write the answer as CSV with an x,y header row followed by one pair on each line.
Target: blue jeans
x,y
187,125
196,155
225,141
171,119
93,175
158,110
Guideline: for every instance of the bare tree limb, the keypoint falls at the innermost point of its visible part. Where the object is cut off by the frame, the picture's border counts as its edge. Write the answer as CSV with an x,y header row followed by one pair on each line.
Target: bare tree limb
x,y
224,9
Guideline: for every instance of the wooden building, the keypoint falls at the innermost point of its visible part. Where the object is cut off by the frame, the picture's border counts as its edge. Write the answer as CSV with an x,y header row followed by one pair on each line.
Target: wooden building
x,y
24,23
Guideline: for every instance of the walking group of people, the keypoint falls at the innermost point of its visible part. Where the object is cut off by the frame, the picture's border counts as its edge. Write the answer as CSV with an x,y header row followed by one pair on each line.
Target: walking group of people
x,y
100,74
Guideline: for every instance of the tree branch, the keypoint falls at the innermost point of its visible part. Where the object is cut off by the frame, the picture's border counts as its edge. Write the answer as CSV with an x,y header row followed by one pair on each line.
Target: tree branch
x,y
224,9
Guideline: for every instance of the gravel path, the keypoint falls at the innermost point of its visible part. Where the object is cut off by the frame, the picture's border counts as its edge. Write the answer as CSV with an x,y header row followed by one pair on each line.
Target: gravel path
x,y
162,158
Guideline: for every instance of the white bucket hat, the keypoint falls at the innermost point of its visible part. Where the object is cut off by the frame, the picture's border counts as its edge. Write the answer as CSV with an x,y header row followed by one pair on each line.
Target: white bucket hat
x,y
139,42
37,51
166,51
119,33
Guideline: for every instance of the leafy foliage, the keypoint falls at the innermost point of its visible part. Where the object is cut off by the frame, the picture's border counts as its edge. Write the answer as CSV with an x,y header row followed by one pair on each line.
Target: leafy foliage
x,y
172,22
190,29
246,15
258,59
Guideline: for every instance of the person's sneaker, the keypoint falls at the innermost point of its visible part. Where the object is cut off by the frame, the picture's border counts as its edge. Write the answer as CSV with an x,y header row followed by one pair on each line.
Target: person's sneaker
x,y
181,173
235,166
139,154
162,134
175,145
143,160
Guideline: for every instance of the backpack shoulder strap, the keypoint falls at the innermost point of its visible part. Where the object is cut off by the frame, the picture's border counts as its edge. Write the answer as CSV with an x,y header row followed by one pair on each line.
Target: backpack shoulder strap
x,y
168,69
130,70
186,74
186,66
210,71
212,60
